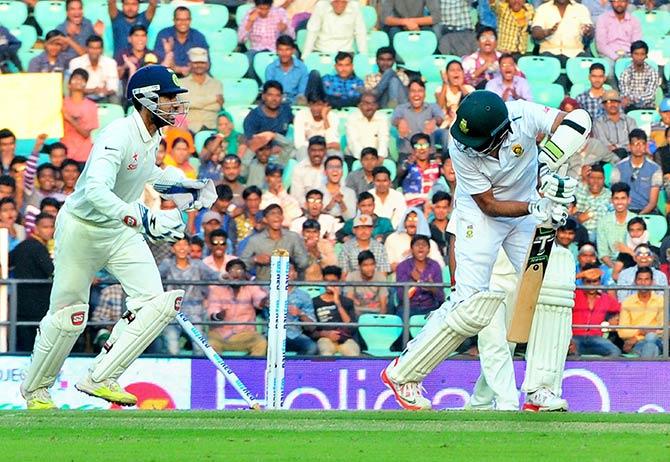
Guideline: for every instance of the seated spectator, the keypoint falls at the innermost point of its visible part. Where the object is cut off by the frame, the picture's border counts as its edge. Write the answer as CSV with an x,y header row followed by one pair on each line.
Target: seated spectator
x,y
9,47
236,304
361,180
288,70
269,145
566,235
269,116
7,187
77,29
179,157
367,128
659,129
222,207
441,208
452,90
309,172
662,158
508,84
587,256
298,11
367,299
261,245
388,85
418,171
398,244
593,201
482,65
643,308
333,27
339,200
514,19
591,308
179,39
381,227
639,81
613,127
343,88
128,17
103,78
57,153
636,235
417,116
181,268
276,194
419,268
644,258
643,175
320,251
261,26
136,54
80,118
401,15
31,260
315,120
455,32
348,257
8,150
70,171
611,229
8,216
616,29
313,207
561,27
53,58
300,309
232,141
332,306
447,180
591,99
211,158
389,203
250,220
205,93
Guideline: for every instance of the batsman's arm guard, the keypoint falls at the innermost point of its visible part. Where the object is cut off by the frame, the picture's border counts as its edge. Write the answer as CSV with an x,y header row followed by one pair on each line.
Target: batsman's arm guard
x,y
568,139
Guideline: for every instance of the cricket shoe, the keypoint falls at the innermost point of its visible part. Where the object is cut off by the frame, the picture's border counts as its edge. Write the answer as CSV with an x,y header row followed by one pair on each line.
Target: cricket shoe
x,y
408,395
108,389
38,400
544,400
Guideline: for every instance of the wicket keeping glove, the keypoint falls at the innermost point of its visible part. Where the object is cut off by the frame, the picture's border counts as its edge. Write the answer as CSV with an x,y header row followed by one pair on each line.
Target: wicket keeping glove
x,y
187,194
163,226
560,189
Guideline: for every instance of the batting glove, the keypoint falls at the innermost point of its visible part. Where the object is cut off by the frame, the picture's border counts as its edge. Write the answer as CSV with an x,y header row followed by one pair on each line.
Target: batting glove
x,y
560,189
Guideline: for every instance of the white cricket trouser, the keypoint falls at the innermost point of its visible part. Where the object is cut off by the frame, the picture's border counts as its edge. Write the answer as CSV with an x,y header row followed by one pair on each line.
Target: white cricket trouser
x,y
83,249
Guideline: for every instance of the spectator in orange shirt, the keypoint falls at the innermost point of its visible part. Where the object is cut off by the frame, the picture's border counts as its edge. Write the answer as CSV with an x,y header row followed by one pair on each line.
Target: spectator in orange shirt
x,y
80,118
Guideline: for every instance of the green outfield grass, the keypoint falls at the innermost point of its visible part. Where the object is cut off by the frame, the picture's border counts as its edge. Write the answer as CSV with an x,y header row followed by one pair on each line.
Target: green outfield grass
x,y
331,436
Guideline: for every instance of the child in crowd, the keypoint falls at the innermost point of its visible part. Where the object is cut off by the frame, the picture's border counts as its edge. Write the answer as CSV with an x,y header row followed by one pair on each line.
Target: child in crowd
x,y
367,299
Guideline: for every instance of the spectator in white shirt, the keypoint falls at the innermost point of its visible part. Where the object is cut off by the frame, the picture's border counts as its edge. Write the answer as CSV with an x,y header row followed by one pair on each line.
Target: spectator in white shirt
x,y
315,120
313,211
333,27
367,128
389,203
103,77
276,194
309,173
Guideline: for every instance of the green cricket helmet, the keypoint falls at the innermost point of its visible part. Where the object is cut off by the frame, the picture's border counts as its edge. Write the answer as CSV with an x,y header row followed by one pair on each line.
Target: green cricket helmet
x,y
482,122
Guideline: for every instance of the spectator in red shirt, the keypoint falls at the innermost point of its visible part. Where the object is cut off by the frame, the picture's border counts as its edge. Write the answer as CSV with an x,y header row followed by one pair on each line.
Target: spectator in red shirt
x,y
592,307
80,118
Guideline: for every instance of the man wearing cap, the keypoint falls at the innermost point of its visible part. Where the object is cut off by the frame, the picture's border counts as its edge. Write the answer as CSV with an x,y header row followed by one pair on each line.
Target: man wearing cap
x,y
613,127
256,255
211,220
205,92
496,161
658,128
276,194
348,257
591,308
52,59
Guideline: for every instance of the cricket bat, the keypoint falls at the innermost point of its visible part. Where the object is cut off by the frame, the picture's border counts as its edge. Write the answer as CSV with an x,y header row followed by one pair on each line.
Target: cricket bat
x,y
530,283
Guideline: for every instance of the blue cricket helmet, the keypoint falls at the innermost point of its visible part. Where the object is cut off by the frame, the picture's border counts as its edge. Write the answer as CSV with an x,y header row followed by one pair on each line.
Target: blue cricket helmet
x,y
154,78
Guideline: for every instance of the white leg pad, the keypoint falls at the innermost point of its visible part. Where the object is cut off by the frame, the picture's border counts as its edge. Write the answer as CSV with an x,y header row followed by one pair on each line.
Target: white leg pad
x,y
141,329
445,330
551,329
56,336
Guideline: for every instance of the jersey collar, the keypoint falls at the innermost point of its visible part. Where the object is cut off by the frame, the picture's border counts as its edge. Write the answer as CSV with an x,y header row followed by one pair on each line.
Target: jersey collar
x,y
144,133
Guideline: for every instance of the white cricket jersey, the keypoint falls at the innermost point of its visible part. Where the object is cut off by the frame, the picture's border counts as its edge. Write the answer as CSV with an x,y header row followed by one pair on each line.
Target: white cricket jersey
x,y
514,175
122,161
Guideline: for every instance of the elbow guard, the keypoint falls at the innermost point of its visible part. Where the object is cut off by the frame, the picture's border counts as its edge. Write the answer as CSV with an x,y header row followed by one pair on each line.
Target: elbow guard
x,y
568,139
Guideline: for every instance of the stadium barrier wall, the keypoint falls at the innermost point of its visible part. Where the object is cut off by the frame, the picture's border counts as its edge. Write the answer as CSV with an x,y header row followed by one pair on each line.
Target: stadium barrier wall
x,y
342,384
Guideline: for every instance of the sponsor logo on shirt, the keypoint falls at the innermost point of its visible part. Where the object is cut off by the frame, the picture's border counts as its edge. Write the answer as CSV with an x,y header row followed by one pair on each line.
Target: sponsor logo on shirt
x,y
133,163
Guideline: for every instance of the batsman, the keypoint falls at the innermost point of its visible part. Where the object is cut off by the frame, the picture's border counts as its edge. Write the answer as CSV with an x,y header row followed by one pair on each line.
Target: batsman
x,y
103,224
495,156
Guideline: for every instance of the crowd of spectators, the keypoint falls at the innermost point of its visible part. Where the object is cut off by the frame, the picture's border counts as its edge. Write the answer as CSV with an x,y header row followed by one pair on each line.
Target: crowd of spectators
x,y
351,173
